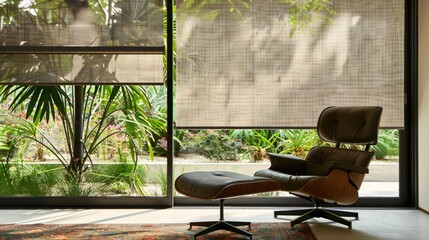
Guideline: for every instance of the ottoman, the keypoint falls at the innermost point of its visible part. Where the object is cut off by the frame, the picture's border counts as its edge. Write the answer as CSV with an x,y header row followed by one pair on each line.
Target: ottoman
x,y
220,185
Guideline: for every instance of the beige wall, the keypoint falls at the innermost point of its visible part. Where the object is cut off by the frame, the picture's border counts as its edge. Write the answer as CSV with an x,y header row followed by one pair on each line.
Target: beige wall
x,y
424,104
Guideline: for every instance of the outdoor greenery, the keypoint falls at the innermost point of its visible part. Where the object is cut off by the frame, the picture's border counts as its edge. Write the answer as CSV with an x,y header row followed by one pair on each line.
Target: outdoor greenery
x,y
119,122
255,144
302,14
388,144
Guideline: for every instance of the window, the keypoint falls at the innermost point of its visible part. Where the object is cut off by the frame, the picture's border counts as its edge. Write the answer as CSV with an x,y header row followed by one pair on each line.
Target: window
x,y
77,80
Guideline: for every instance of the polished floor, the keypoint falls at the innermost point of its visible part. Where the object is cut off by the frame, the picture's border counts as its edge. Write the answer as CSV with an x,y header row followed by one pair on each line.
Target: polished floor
x,y
389,224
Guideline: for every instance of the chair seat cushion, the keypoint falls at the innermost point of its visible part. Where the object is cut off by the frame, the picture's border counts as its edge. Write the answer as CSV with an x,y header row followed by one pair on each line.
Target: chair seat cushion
x,y
287,182
222,184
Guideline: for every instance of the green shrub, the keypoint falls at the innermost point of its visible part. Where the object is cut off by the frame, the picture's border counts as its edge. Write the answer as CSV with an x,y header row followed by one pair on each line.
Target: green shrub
x,y
213,144
257,142
297,141
121,178
28,179
38,180
388,144
71,187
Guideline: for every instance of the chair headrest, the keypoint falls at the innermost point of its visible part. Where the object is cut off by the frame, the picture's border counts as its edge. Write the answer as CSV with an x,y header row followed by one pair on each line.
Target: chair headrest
x,y
352,125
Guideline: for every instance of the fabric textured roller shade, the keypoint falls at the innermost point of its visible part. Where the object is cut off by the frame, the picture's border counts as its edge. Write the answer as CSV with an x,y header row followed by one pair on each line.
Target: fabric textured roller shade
x,y
275,64
81,42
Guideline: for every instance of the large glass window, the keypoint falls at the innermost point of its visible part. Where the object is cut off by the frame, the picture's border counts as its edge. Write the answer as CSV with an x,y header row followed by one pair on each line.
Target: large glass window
x,y
245,151
83,106
252,77
274,66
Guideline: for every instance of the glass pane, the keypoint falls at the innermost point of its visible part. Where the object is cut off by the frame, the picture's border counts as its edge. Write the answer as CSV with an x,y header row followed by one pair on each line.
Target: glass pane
x,y
122,125
81,23
85,69
238,150
277,64
245,151
383,177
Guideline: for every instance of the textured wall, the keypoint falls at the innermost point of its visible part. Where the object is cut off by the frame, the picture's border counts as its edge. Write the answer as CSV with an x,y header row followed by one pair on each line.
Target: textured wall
x,y
423,104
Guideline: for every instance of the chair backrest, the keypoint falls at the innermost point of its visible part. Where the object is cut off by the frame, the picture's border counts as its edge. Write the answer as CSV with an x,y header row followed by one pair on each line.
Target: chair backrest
x,y
344,125
350,125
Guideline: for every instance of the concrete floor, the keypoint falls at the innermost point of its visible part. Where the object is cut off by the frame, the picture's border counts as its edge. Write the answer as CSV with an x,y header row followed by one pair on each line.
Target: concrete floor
x,y
373,223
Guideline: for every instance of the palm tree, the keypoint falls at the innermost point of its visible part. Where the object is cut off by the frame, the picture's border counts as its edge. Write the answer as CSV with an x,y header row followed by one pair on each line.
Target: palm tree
x,y
84,111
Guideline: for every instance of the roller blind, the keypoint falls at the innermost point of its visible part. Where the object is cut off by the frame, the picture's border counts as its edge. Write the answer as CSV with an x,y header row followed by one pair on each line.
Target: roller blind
x,y
279,63
81,42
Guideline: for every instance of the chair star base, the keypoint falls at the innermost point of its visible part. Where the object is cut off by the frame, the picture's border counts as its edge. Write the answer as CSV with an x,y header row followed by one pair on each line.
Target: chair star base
x,y
305,214
221,225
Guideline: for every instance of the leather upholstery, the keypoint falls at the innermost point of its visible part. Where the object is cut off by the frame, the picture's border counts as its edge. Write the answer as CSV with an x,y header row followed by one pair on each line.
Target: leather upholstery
x,y
222,184
356,125
321,160
288,182
330,174
287,163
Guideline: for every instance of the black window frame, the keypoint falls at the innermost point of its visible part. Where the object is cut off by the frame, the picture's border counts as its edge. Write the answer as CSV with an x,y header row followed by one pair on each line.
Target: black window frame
x,y
408,147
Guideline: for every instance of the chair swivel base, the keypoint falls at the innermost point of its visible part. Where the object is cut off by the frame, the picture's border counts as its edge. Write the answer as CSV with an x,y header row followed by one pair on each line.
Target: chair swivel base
x,y
221,225
305,214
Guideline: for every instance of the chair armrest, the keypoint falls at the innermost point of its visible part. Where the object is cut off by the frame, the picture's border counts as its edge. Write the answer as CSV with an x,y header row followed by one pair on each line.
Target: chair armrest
x,y
286,163
348,167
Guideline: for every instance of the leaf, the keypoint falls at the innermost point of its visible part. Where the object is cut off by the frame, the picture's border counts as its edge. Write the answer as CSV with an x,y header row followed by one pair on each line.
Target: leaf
x,y
33,101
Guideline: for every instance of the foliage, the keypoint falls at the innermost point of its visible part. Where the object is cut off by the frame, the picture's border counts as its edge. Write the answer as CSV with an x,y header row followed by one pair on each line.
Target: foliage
x,y
37,180
388,144
162,176
297,142
210,9
120,22
116,118
123,178
257,142
302,14
126,108
213,144
103,106
5,141
72,187
16,135
157,96
23,179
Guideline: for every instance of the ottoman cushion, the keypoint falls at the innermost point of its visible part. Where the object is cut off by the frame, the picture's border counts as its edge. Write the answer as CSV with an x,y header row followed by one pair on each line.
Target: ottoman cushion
x,y
222,184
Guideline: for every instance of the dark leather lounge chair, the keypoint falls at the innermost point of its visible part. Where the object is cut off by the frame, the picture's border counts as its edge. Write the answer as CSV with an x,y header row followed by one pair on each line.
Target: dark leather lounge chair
x,y
329,174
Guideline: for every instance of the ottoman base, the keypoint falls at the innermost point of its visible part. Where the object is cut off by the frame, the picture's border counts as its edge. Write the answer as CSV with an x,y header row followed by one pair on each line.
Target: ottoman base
x,y
221,185
221,225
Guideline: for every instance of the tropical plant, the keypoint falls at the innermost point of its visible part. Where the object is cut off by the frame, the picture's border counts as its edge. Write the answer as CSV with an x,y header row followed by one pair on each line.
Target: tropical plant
x,y
162,177
256,142
213,144
36,180
209,9
28,179
15,129
5,142
126,108
388,144
102,106
72,187
298,142
123,177
302,14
